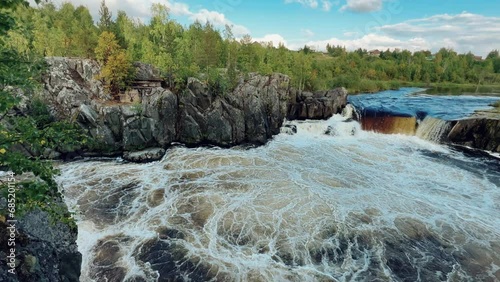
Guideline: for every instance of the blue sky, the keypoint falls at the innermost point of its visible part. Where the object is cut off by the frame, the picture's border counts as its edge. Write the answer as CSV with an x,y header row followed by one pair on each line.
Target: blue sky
x,y
464,25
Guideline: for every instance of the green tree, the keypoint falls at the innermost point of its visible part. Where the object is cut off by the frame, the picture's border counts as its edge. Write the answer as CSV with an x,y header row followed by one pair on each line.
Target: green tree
x,y
27,132
105,22
116,68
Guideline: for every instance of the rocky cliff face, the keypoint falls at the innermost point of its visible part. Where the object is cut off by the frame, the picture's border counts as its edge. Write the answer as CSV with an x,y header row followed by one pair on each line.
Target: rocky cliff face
x,y
252,113
479,133
45,251
317,105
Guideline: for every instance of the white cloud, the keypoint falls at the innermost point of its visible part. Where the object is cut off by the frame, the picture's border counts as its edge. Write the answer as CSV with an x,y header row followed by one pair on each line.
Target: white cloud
x,y
326,5
142,9
307,32
276,39
217,19
370,41
463,32
362,6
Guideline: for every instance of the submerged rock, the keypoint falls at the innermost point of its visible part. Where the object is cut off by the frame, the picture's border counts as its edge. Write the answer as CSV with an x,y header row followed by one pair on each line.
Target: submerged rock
x,y
148,155
289,129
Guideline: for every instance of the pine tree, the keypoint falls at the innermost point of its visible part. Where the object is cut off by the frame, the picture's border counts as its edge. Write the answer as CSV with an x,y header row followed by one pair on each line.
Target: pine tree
x,y
105,21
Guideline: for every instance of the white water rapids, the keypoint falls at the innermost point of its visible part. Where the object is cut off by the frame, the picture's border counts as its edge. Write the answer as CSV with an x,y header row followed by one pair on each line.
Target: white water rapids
x,y
348,206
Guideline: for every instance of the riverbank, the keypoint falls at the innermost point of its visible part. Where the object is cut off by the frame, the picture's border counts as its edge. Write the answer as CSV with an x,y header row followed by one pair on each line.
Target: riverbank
x,y
373,86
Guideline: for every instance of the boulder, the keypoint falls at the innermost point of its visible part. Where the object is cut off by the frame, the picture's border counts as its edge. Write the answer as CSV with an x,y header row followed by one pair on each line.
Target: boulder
x,y
479,133
318,105
289,129
45,251
70,83
148,155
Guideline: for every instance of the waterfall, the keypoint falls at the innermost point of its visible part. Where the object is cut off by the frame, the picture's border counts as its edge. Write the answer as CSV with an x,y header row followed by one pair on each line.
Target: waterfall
x,y
433,129
390,124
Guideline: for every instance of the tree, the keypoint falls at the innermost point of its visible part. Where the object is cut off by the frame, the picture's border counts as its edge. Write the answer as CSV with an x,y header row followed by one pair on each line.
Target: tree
x,y
492,55
116,68
105,22
26,132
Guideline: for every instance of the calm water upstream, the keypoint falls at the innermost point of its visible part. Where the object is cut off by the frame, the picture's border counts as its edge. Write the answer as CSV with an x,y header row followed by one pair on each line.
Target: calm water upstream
x,y
350,206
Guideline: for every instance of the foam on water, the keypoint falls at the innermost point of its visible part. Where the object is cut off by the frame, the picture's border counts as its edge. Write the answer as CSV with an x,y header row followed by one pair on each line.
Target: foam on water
x,y
433,129
351,205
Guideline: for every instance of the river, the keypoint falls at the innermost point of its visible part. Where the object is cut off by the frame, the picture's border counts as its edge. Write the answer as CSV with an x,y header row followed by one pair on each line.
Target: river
x,y
352,205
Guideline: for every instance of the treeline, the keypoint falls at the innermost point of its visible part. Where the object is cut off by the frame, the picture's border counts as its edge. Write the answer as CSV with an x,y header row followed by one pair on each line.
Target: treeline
x,y
216,55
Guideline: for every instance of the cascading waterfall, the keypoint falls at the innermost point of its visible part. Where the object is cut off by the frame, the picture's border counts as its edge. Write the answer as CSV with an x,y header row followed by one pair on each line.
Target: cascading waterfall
x,y
433,129
347,206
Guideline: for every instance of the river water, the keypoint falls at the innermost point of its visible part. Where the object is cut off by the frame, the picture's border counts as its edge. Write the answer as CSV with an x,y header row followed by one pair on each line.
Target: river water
x,y
348,206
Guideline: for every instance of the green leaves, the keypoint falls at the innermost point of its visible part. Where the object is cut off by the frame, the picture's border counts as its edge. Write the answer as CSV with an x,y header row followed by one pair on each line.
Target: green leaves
x,y
116,69
26,134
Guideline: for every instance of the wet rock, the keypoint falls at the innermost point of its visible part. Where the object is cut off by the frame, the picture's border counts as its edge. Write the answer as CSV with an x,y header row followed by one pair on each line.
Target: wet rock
x,y
144,156
318,105
45,251
289,129
172,263
479,133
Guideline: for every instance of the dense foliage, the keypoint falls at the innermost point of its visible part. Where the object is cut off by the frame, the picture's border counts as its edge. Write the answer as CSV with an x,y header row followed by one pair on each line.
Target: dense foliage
x,y
116,70
27,129
187,51
202,49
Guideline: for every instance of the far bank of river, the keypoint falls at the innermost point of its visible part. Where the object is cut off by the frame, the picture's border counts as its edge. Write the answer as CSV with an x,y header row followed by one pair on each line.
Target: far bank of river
x,y
373,86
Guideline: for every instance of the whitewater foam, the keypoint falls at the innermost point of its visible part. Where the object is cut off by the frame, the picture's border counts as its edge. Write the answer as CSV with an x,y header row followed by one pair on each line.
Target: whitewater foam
x,y
304,207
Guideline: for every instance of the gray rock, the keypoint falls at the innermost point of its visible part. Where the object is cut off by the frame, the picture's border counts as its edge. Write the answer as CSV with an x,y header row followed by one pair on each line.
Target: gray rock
x,y
138,133
479,133
70,83
252,113
289,129
318,105
87,115
149,155
46,251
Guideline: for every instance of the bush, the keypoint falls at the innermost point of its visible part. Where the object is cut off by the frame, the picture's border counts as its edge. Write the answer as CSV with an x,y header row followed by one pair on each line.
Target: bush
x,y
219,82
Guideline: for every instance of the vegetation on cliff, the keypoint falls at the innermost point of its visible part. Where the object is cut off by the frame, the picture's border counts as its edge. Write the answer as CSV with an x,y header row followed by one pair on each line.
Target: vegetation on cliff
x,y
27,130
184,51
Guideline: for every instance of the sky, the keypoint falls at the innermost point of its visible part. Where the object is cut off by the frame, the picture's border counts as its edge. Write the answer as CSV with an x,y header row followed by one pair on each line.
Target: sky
x,y
464,25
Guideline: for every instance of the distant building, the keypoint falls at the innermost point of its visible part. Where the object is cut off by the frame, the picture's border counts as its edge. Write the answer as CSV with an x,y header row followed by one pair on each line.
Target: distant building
x,y
478,58
374,53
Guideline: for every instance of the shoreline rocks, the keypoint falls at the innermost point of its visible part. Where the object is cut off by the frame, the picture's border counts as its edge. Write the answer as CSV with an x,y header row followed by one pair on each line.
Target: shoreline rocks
x,y
251,114
478,133
45,251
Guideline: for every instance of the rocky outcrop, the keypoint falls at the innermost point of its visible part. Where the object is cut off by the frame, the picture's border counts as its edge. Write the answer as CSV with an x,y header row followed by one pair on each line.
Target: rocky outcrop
x,y
317,105
252,113
71,83
479,133
45,251
145,156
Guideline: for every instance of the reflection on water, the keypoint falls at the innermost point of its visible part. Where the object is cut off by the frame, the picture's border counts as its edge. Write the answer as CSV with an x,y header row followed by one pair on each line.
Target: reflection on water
x,y
351,205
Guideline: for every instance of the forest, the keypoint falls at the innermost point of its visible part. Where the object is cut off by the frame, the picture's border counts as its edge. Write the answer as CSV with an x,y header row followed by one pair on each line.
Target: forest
x,y
201,50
